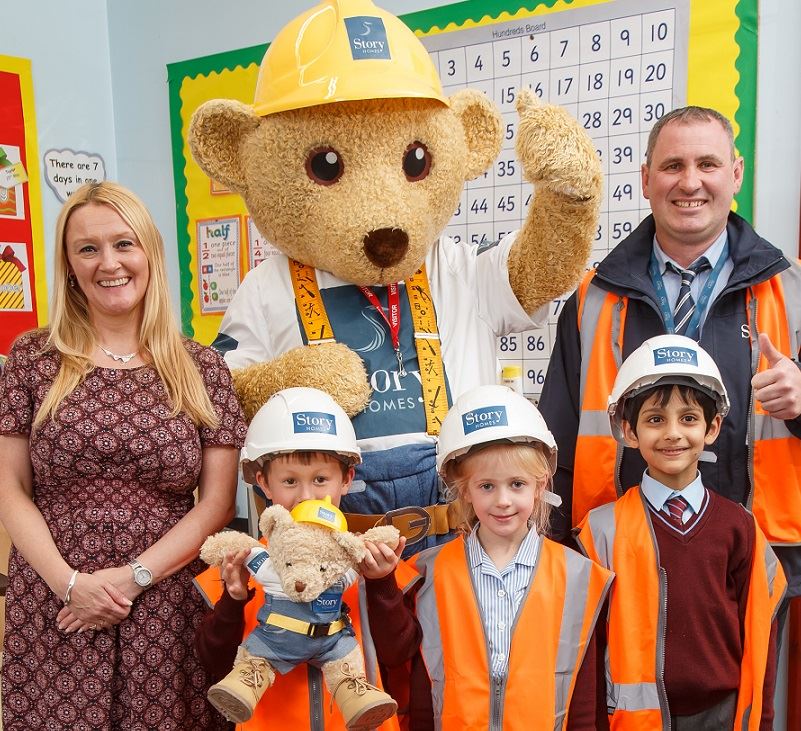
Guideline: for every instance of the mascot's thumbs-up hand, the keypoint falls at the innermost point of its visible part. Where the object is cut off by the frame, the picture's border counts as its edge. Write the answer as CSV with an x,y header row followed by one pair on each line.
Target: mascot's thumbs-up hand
x,y
559,158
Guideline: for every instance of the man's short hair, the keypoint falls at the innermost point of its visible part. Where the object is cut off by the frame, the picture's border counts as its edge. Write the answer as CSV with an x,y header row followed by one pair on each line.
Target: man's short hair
x,y
688,115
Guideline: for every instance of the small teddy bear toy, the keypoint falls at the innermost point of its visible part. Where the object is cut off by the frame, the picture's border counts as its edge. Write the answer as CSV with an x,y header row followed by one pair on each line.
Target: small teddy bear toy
x,y
311,561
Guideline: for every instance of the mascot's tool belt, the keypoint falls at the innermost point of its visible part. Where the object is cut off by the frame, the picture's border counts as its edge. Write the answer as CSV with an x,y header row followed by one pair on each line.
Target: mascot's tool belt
x,y
415,523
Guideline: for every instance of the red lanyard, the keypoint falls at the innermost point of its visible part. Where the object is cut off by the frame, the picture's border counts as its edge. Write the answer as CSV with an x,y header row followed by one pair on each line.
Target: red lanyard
x,y
393,321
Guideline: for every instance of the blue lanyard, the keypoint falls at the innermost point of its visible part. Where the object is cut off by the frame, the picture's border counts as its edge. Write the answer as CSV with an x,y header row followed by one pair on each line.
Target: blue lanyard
x,y
701,303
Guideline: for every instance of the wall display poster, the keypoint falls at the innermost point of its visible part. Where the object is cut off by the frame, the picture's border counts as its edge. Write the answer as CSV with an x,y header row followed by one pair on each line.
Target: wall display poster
x,y
616,66
23,290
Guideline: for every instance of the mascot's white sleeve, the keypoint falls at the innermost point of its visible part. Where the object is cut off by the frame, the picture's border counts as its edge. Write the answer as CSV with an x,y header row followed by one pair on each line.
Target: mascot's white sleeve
x,y
244,335
482,272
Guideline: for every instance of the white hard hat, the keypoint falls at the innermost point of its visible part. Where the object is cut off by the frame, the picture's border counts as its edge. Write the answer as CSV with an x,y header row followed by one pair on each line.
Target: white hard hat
x,y
298,420
490,414
666,359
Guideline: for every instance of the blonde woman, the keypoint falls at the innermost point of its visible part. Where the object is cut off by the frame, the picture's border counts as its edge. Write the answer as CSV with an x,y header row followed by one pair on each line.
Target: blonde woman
x,y
109,421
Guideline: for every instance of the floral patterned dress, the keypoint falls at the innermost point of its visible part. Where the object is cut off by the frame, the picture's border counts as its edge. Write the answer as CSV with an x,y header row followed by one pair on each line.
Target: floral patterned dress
x,y
112,473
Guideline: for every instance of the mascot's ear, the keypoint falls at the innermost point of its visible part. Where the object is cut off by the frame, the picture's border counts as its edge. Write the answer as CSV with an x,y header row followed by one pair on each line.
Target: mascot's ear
x,y
483,133
215,138
276,516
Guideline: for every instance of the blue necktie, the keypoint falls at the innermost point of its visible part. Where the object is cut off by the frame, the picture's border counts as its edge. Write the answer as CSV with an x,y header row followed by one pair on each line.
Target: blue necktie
x,y
685,304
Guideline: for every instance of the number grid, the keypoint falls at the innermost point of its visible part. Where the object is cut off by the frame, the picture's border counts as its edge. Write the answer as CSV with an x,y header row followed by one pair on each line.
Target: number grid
x,y
616,68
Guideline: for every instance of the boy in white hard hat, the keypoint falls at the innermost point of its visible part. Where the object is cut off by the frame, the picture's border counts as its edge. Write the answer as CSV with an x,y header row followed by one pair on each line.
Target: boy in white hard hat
x,y
696,583
300,447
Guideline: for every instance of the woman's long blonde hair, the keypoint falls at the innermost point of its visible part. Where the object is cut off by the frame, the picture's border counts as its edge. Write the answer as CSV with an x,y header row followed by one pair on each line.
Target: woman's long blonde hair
x,y
528,458
73,335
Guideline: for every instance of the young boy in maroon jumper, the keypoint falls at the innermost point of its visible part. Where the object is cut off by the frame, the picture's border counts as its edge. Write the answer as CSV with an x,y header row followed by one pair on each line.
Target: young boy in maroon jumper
x,y
691,631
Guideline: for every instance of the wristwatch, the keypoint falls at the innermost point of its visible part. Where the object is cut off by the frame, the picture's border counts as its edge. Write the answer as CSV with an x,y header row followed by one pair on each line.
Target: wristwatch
x,y
142,576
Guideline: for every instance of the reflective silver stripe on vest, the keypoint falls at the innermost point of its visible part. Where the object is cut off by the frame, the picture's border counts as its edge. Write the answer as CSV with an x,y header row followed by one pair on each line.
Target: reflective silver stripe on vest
x,y
431,645
568,657
593,303
602,525
636,696
595,423
771,567
766,427
791,282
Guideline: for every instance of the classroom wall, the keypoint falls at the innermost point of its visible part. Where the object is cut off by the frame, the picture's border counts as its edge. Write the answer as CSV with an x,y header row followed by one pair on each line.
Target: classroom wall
x,y
71,68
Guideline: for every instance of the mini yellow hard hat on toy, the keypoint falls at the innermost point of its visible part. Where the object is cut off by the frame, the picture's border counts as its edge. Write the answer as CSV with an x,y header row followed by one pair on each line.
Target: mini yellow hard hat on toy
x,y
344,50
323,512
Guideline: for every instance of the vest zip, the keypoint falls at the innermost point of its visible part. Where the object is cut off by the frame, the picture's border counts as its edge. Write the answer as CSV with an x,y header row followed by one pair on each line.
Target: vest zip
x,y
750,419
660,647
315,678
497,690
661,629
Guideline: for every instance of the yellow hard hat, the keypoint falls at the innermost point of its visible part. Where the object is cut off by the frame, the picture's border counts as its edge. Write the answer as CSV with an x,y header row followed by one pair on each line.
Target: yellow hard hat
x,y
323,512
344,50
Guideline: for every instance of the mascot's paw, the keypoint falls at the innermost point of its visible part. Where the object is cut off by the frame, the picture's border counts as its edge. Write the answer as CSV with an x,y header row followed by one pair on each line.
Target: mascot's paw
x,y
555,151
215,547
331,367
383,534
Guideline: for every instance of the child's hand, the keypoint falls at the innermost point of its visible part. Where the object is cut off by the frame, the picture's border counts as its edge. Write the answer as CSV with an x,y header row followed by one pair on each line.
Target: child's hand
x,y
380,560
235,575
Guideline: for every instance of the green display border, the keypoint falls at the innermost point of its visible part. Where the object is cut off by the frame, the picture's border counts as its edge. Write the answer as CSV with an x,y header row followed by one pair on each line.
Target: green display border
x,y
747,40
424,21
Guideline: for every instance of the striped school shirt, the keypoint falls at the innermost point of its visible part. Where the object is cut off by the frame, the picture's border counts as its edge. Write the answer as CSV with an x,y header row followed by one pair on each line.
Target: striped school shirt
x,y
500,593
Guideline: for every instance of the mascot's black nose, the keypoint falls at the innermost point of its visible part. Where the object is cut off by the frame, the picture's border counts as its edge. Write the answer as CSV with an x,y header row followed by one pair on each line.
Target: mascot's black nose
x,y
299,586
386,246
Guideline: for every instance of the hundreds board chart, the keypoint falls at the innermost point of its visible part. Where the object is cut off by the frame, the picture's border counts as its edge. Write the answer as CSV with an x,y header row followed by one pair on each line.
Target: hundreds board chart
x,y
617,68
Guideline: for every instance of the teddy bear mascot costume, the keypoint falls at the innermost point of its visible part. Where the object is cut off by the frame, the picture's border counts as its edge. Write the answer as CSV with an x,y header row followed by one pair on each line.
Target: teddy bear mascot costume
x,y
351,161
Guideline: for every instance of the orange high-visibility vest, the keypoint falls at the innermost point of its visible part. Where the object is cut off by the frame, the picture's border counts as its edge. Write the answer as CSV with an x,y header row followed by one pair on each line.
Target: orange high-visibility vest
x,y
620,536
774,463
550,635
287,703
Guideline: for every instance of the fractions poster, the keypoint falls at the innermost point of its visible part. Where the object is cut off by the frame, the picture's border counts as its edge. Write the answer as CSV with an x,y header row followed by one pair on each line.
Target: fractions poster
x,y
23,291
617,66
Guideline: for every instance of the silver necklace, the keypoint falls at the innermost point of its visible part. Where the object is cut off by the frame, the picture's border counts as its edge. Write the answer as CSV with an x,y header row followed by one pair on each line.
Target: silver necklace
x,y
120,358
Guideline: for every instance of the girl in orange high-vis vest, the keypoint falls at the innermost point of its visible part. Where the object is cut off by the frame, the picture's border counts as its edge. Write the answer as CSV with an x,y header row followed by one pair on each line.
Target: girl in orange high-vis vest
x,y
504,617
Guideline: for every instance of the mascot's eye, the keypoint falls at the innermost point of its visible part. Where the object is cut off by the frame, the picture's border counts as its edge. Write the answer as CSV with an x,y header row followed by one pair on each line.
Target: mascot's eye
x,y
416,162
288,564
324,166
322,568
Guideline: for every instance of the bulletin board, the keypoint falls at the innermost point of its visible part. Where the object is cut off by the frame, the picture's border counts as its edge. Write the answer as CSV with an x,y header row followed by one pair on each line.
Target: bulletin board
x,y
23,291
616,65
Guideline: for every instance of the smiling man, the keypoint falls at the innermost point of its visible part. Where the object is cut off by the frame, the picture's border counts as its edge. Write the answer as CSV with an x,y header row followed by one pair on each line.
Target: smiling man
x,y
695,268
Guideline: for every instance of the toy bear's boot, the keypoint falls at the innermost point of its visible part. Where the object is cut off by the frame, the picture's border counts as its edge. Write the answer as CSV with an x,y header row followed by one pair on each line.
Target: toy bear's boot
x,y
237,694
363,706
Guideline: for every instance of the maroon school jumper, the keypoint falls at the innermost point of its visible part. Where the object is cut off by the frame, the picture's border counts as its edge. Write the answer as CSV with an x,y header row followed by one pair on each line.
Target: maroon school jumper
x,y
708,572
